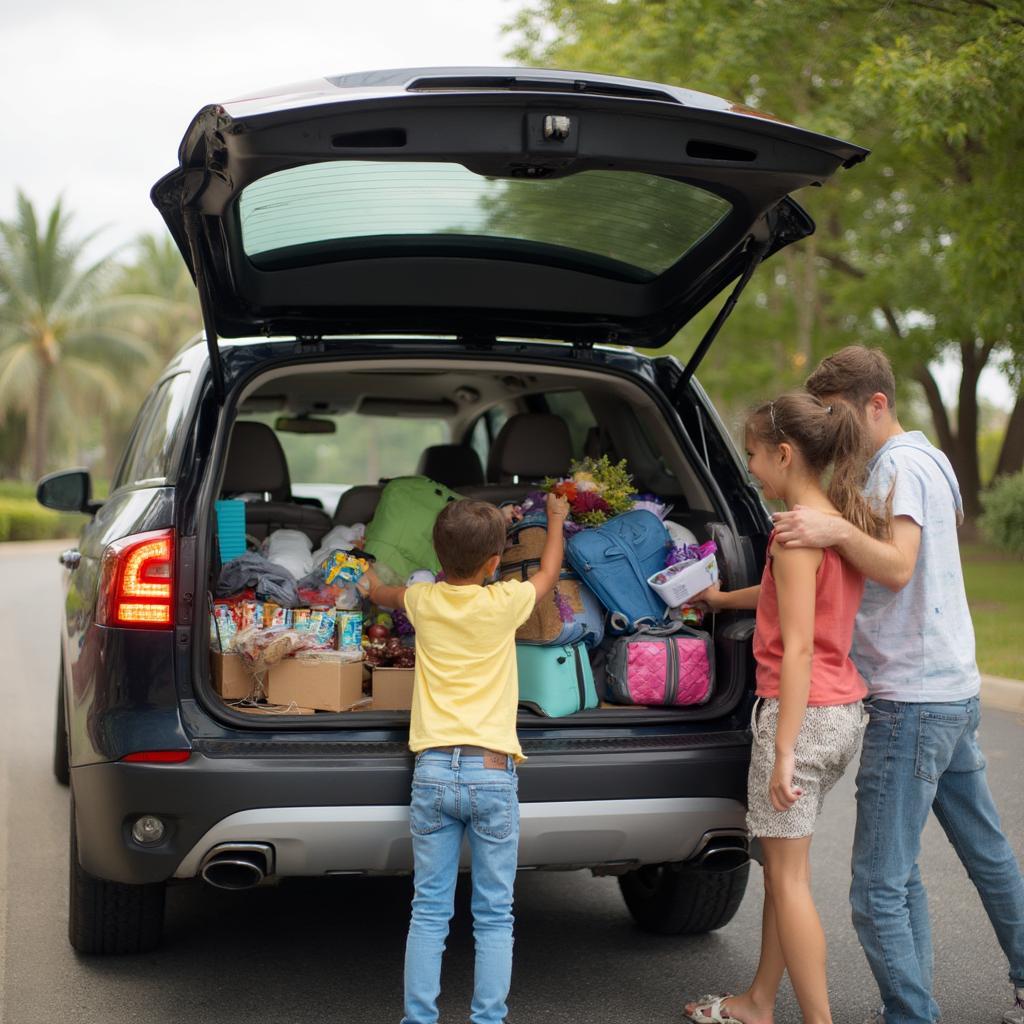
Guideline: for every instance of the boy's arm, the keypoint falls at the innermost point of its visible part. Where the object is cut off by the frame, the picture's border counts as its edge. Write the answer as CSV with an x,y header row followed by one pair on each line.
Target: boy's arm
x,y
890,562
546,577
384,597
795,574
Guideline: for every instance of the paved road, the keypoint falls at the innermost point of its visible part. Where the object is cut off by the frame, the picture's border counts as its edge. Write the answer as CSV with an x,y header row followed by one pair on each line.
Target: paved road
x,y
332,950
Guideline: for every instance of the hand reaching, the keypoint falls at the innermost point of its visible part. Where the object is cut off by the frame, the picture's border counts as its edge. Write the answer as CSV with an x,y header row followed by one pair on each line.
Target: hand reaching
x,y
557,507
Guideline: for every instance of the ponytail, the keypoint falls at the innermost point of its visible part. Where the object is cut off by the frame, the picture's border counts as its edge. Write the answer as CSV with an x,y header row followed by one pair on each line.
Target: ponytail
x,y
849,473
826,435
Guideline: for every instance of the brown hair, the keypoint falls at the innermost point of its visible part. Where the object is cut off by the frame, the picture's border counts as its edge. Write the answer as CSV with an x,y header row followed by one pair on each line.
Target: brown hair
x,y
854,373
466,534
825,435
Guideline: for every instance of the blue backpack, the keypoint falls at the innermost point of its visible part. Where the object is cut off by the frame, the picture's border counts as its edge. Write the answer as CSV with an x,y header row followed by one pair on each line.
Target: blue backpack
x,y
614,560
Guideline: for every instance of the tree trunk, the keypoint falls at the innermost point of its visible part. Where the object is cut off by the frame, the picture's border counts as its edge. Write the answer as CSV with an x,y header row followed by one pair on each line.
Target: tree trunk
x,y
1011,455
40,417
973,357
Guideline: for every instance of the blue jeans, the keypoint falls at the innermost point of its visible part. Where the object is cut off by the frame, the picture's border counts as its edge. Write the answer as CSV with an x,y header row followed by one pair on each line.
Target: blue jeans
x,y
916,758
455,795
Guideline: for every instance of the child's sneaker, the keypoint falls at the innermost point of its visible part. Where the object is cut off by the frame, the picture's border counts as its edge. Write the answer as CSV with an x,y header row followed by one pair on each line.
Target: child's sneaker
x,y
1015,1014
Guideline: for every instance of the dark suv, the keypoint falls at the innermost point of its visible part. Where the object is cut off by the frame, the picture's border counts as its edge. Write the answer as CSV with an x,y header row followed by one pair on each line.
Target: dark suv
x,y
468,256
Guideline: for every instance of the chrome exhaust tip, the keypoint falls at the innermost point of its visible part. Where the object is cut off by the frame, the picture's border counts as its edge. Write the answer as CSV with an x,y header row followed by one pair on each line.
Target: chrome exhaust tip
x,y
722,850
237,866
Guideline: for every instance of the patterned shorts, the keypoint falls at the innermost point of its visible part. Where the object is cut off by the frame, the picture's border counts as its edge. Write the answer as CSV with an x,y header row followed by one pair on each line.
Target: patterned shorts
x,y
828,740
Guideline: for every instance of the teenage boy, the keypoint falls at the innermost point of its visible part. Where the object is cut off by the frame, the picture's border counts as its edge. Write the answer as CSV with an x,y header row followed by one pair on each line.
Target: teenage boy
x,y
914,645
463,732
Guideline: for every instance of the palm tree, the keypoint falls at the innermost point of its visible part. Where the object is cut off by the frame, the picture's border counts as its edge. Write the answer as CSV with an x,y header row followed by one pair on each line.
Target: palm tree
x,y
158,271
65,354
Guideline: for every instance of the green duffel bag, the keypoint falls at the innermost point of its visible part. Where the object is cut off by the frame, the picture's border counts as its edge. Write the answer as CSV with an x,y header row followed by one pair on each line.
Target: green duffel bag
x,y
399,535
555,681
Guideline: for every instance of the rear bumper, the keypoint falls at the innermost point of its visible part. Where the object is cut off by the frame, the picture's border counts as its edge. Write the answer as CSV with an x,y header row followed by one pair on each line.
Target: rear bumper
x,y
351,813
375,840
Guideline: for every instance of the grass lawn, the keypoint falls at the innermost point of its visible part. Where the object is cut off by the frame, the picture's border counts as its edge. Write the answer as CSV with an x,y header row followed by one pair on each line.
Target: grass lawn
x,y
995,592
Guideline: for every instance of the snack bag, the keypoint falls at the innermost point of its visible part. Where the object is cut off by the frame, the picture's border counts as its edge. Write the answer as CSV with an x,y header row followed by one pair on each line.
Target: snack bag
x,y
342,567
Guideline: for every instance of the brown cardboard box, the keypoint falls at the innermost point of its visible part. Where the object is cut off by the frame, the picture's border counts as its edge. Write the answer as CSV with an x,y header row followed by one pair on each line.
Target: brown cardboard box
x,y
391,689
321,681
230,678
274,709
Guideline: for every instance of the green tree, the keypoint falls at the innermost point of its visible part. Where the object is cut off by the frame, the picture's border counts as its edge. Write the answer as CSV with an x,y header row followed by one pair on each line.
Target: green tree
x,y
62,346
916,248
157,272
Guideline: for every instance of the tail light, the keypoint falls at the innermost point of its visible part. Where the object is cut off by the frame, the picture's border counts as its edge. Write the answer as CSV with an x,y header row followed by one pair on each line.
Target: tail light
x,y
137,582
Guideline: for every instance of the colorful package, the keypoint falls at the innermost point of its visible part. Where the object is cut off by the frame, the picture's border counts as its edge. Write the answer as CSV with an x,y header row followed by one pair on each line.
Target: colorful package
x,y
349,625
223,627
275,615
250,615
323,626
341,567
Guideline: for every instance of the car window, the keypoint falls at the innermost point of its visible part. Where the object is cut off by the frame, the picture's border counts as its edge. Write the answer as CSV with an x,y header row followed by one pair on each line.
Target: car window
x,y
626,222
573,407
485,430
362,449
153,445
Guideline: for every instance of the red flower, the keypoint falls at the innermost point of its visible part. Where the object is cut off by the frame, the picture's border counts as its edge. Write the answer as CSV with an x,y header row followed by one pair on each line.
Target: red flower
x,y
589,501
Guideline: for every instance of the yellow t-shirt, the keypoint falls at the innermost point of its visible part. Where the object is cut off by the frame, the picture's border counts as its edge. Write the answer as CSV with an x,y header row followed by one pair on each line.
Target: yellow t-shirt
x,y
466,687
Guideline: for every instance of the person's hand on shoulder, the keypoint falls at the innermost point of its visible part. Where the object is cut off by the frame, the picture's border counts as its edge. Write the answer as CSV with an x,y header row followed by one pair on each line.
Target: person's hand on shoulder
x,y
803,527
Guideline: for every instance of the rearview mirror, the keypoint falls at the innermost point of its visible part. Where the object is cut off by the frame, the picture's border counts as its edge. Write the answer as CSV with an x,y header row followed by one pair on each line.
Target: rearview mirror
x,y
304,425
69,490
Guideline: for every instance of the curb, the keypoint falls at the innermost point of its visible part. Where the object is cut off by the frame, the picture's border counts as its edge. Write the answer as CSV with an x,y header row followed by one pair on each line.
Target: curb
x,y
1004,694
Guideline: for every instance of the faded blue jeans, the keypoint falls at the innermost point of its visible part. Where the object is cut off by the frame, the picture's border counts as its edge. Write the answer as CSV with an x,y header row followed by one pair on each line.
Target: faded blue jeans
x,y
453,795
916,758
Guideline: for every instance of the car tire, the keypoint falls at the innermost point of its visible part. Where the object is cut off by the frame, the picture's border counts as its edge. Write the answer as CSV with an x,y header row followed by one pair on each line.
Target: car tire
x,y
111,917
61,765
680,899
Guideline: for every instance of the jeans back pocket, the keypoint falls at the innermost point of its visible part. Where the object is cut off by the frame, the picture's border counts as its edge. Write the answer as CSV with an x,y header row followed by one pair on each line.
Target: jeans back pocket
x,y
425,807
938,733
494,809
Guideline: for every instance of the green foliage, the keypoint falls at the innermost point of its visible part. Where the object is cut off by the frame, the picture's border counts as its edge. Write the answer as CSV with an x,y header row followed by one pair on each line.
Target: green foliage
x,y
996,600
23,519
917,249
1003,520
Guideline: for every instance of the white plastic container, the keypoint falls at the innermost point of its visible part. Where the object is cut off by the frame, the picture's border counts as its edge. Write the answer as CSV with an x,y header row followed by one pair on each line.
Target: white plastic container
x,y
676,584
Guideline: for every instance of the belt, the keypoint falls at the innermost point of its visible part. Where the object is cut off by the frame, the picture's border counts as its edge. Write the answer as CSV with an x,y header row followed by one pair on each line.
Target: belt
x,y
471,751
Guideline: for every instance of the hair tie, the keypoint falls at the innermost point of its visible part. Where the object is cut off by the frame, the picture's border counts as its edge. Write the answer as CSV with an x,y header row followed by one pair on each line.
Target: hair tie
x,y
771,412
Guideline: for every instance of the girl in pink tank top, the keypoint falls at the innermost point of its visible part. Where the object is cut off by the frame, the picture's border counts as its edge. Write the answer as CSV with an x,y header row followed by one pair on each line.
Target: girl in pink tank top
x,y
807,719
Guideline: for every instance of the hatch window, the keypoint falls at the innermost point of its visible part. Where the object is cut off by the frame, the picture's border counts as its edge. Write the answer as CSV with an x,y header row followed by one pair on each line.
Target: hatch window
x,y
621,223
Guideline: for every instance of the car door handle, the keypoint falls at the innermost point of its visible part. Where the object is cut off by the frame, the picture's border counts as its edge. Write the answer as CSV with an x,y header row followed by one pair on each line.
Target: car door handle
x,y
70,558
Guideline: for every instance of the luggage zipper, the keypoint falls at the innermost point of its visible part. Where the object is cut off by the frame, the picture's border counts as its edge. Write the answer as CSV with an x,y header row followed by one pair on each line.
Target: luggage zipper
x,y
580,681
672,684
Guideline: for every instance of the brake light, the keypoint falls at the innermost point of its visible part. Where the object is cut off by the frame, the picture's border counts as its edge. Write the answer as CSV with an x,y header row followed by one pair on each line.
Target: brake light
x,y
137,582
158,756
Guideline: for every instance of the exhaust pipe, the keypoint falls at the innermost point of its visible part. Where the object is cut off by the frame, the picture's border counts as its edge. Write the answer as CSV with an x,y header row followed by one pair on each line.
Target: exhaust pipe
x,y
721,850
237,865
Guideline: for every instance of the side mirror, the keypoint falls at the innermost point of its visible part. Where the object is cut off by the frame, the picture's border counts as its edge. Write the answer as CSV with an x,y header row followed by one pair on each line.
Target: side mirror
x,y
70,490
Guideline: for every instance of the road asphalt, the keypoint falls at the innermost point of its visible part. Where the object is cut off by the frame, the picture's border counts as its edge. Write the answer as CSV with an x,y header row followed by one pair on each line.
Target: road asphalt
x,y
331,950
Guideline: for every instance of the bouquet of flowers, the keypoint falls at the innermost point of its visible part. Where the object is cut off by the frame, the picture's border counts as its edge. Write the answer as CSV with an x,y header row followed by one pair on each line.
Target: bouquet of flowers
x,y
596,490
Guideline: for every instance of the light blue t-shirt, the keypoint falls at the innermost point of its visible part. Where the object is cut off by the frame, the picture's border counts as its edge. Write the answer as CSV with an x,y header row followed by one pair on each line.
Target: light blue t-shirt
x,y
917,645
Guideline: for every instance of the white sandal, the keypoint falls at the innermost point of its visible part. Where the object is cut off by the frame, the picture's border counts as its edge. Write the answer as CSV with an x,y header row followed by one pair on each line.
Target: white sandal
x,y
713,1004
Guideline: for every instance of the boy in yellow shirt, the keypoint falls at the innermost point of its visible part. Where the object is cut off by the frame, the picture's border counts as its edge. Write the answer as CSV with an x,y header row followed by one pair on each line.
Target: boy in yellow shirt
x,y
463,732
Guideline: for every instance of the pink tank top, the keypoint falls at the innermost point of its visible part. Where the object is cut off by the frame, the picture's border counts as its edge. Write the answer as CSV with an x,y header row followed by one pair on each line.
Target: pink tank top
x,y
834,678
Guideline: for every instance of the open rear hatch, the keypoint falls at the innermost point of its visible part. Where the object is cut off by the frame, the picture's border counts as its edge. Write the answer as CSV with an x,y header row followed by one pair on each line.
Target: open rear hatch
x,y
482,202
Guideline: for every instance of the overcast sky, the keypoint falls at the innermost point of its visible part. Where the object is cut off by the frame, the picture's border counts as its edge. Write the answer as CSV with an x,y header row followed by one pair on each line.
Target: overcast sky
x,y
97,93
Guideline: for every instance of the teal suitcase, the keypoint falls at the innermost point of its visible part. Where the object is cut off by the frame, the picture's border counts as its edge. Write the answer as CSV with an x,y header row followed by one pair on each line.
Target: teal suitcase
x,y
555,681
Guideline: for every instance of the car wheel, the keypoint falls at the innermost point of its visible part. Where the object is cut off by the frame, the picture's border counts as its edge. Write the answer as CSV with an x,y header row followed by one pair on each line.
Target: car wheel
x,y
111,917
61,770
679,899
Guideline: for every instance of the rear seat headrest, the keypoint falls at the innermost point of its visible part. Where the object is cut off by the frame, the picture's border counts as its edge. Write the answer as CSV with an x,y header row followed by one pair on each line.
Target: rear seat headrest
x,y
531,445
256,462
454,465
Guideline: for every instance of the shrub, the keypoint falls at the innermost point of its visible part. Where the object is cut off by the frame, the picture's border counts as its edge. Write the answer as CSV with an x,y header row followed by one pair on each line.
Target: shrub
x,y
1003,520
23,519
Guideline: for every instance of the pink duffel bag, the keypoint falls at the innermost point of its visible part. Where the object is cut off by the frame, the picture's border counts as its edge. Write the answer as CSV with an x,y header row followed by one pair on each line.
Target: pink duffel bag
x,y
669,666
